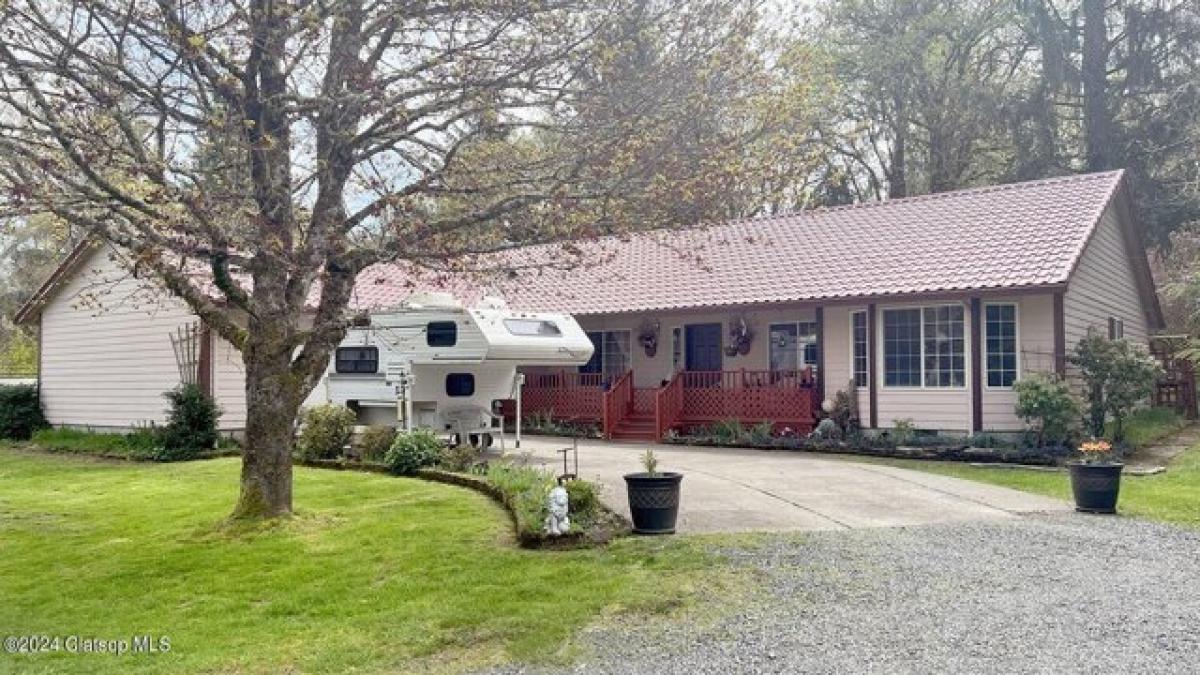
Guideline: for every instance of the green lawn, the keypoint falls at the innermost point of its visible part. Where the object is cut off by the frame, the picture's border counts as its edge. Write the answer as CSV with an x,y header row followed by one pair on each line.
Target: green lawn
x,y
374,574
1172,497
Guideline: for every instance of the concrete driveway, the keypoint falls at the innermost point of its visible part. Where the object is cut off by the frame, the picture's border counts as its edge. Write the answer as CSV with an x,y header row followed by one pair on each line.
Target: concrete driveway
x,y
735,490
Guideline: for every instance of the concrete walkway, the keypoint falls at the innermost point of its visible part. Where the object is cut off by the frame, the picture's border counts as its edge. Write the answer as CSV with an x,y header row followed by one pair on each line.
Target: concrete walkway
x,y
737,490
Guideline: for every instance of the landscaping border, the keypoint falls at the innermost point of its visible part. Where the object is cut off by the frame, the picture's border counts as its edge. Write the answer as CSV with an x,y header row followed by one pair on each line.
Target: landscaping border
x,y
961,452
532,539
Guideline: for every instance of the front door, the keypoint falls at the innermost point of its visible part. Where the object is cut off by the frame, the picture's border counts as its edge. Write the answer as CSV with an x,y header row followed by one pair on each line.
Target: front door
x,y
703,352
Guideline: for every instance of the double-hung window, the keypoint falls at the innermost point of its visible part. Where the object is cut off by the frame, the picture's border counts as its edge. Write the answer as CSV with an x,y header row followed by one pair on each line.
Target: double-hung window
x,y
924,346
1000,339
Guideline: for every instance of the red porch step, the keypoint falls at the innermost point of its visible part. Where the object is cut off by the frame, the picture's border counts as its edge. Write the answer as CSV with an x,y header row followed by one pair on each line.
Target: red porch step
x,y
636,427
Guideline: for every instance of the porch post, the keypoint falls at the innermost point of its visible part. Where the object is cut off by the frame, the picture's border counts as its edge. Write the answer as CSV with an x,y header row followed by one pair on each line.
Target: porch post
x,y
820,383
976,366
872,362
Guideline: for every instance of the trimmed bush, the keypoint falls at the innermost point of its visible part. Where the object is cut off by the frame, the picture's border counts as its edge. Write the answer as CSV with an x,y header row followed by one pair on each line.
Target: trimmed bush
x,y
460,457
1118,378
327,431
413,450
375,442
20,412
191,428
1046,402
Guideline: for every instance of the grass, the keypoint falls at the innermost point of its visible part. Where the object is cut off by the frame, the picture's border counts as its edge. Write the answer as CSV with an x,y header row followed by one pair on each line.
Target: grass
x,y
1148,425
1172,497
373,574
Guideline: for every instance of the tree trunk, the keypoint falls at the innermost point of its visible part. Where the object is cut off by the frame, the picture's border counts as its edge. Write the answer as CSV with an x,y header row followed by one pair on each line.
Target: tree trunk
x,y
272,403
1097,117
897,180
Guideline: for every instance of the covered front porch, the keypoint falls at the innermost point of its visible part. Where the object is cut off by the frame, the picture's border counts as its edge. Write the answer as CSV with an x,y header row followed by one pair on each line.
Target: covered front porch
x,y
689,398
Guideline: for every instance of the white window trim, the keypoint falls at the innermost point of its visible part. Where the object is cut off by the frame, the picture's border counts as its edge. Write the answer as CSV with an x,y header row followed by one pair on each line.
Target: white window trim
x,y
867,328
880,354
1016,337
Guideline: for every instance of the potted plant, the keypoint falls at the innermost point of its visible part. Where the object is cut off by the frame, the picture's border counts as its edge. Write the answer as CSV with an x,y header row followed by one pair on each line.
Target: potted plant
x,y
1095,478
653,497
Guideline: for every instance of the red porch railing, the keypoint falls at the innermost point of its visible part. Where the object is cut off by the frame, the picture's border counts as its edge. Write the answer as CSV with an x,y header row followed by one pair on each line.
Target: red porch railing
x,y
564,395
668,404
618,403
749,396
784,398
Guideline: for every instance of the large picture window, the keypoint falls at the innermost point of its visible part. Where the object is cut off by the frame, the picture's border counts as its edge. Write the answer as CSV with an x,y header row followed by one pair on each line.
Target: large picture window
x,y
793,346
1000,331
364,360
858,354
924,346
611,354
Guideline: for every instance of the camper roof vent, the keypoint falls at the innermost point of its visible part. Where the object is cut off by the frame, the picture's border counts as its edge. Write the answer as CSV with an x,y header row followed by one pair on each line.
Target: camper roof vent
x,y
422,300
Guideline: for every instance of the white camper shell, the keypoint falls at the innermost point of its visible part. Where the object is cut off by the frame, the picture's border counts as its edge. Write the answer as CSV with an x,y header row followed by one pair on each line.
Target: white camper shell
x,y
431,363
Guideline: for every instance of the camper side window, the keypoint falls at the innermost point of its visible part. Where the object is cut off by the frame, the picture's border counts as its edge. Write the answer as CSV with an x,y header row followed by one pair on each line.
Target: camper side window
x,y
441,334
357,360
532,327
460,384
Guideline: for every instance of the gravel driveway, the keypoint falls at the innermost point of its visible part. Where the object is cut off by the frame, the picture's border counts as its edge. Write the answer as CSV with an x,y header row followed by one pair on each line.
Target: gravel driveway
x,y
1051,593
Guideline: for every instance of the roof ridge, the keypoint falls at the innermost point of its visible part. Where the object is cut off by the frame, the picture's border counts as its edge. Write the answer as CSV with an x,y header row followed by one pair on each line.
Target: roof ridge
x,y
949,194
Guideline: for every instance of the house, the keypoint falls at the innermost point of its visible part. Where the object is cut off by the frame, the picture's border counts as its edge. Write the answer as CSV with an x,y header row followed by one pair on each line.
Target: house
x,y
927,308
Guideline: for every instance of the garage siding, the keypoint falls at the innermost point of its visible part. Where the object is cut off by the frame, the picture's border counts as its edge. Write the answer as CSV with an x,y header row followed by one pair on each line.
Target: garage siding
x,y
1104,285
107,357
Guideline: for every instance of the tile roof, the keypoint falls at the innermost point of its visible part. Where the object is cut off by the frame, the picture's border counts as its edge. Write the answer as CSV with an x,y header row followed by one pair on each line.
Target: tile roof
x,y
1006,236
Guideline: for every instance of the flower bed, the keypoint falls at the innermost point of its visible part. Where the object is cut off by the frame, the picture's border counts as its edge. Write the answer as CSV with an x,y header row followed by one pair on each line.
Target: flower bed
x,y
980,448
522,492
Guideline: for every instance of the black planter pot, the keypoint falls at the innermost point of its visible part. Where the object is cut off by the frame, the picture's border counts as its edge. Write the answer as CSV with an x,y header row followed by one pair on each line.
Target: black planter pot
x,y
653,501
1096,486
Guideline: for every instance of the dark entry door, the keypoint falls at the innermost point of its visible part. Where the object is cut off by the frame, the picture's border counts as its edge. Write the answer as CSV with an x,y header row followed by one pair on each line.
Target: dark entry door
x,y
703,347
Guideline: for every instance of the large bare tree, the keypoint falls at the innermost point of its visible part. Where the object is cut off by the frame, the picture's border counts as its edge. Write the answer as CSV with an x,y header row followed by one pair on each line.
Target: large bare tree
x,y
256,155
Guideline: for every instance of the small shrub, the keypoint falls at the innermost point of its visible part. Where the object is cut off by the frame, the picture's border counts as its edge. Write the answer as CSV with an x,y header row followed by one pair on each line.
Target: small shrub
x,y
762,433
903,430
650,462
827,430
459,457
845,408
728,431
1118,377
375,441
413,450
327,430
20,412
191,428
583,499
1046,402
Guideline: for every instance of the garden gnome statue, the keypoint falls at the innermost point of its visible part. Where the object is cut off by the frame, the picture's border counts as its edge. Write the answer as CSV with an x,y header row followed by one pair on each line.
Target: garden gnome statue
x,y
557,523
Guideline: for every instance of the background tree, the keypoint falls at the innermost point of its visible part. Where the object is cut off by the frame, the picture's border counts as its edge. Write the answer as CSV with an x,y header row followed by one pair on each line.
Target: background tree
x,y
255,156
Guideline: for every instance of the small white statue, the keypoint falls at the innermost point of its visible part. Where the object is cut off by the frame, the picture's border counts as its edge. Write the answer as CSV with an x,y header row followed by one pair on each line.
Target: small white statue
x,y
557,523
